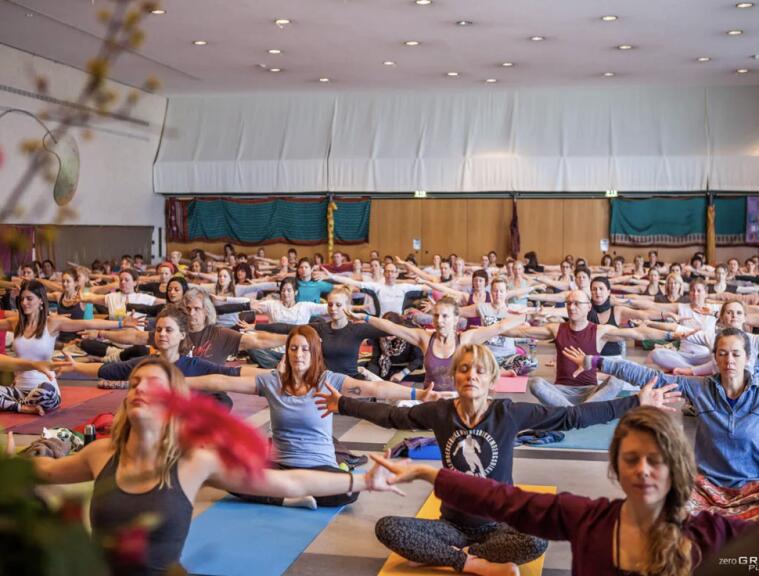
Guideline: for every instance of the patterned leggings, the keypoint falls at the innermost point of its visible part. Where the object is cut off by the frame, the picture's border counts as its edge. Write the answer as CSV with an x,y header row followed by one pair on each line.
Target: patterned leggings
x,y
439,542
45,395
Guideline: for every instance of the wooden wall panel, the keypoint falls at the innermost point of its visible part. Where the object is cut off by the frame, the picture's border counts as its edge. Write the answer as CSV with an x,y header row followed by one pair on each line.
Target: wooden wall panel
x,y
586,223
553,228
444,227
541,228
399,222
488,228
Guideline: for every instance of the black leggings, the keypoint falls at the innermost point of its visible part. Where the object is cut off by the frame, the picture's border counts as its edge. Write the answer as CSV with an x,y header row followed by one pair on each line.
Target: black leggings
x,y
100,348
440,542
328,501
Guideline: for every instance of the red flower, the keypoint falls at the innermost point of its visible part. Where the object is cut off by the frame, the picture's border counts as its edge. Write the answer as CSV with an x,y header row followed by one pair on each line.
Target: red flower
x,y
203,422
71,511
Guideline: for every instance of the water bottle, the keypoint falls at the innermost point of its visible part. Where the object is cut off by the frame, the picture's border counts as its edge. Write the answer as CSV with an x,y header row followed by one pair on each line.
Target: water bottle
x,y
532,345
89,313
89,434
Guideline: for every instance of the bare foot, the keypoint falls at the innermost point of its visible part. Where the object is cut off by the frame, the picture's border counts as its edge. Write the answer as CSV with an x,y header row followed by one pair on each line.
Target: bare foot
x,y
29,409
482,567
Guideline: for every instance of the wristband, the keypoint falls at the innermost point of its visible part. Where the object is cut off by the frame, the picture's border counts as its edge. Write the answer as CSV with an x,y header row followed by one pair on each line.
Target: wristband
x,y
592,362
366,317
350,485
121,323
668,336
413,393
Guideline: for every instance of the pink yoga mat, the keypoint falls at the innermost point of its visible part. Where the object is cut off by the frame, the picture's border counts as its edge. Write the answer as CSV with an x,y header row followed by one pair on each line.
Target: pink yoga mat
x,y
511,384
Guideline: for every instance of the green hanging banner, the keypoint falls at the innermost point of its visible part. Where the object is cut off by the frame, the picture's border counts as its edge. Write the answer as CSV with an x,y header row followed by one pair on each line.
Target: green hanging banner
x,y
675,221
300,221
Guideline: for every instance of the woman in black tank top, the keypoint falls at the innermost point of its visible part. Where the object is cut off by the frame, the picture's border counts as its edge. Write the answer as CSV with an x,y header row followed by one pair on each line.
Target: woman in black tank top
x,y
142,468
69,302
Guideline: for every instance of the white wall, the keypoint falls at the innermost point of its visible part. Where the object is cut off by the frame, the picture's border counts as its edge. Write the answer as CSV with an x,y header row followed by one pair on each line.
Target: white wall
x,y
524,139
115,182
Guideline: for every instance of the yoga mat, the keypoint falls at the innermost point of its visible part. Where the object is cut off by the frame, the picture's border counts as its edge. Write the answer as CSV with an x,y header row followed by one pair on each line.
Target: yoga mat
x,y
431,452
596,437
70,396
430,510
235,538
246,405
401,435
511,384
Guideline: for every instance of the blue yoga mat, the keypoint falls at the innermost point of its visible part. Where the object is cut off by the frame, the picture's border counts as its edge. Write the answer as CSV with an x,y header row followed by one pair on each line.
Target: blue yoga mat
x,y
596,437
429,452
234,538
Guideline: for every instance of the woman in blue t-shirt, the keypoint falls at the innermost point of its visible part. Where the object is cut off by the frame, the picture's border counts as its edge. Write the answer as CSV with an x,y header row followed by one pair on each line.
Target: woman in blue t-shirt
x,y
301,436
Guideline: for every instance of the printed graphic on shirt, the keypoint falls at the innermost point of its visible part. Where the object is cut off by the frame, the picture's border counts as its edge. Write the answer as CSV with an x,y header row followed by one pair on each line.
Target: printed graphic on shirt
x,y
473,452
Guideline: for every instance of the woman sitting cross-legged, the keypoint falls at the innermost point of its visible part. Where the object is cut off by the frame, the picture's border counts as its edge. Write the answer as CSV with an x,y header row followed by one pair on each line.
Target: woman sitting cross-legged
x,y
649,532
727,421
143,469
476,434
301,435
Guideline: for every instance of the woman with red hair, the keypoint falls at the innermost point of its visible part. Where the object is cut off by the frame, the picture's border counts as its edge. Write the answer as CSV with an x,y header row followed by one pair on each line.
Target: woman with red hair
x,y
301,435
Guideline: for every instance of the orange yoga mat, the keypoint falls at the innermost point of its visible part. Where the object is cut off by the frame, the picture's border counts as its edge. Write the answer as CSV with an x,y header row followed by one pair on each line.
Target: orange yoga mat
x,y
396,565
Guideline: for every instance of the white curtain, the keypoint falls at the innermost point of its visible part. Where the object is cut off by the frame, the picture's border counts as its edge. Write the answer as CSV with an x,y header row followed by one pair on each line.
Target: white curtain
x,y
579,139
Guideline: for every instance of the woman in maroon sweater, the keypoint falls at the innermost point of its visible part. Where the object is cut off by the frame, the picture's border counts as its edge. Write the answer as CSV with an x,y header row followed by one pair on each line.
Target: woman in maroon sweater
x,y
648,532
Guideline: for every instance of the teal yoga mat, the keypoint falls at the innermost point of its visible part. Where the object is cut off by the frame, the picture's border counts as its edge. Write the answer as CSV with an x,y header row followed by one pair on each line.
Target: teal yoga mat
x,y
597,437
234,538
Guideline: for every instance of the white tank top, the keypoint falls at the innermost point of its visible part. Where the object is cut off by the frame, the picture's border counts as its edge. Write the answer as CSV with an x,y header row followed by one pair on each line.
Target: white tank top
x,y
34,349
692,319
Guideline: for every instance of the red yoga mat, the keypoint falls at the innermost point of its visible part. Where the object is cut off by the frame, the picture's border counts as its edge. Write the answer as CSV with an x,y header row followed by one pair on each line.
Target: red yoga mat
x,y
70,396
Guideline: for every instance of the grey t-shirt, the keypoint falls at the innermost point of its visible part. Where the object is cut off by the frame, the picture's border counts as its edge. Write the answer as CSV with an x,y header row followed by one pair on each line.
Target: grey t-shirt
x,y
303,438
501,346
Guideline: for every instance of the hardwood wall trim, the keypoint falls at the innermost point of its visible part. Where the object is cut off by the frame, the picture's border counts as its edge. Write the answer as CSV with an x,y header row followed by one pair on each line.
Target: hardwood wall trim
x,y
470,228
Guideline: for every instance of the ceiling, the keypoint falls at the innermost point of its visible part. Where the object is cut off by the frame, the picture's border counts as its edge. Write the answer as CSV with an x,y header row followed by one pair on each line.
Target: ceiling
x,y
348,41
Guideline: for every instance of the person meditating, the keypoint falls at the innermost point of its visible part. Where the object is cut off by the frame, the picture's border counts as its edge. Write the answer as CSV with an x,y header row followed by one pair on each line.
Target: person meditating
x,y
648,532
475,435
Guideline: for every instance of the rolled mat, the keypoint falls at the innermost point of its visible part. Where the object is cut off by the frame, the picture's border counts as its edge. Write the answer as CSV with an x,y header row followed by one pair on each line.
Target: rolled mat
x,y
430,510
235,538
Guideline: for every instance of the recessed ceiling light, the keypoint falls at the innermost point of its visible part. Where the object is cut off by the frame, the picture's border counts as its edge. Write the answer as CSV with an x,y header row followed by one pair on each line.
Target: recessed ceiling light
x,y
274,51
275,69
423,2
30,14
281,22
742,71
452,74
491,80
608,74
324,80
609,18
411,43
507,64
464,23
703,59
264,66
158,12
199,42
624,47
389,63
537,38
744,4
734,32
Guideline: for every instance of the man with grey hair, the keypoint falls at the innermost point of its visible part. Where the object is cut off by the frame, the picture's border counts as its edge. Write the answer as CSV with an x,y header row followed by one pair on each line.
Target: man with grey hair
x,y
208,341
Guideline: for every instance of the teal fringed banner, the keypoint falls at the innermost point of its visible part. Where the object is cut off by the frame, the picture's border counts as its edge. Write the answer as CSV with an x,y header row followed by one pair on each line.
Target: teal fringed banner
x,y
251,221
675,221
